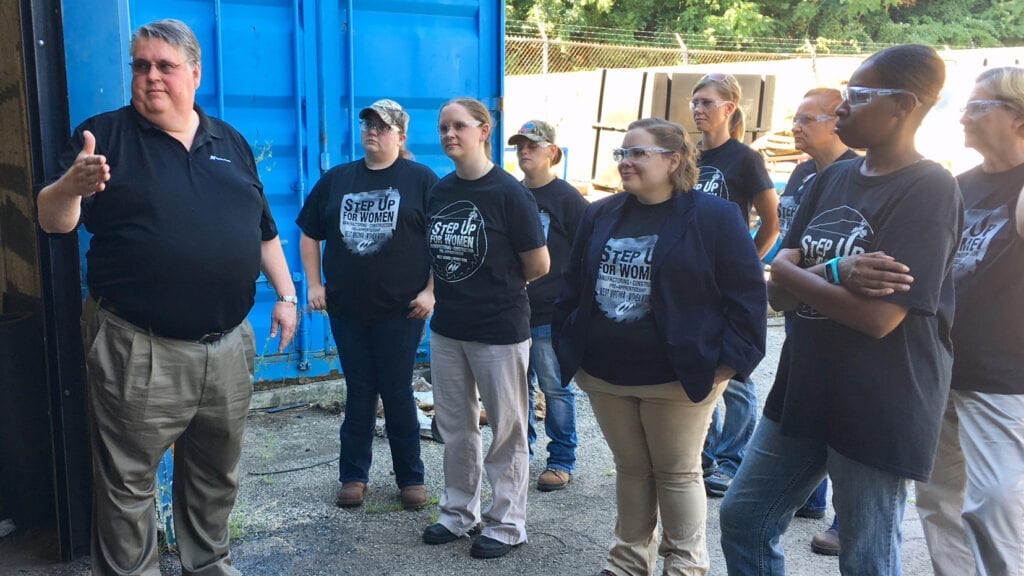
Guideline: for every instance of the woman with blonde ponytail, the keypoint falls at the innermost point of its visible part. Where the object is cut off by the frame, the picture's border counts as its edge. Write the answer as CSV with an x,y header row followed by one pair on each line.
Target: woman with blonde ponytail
x,y
733,171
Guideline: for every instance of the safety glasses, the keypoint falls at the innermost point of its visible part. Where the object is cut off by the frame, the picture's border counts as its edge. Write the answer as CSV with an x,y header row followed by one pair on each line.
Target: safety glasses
x,y
859,96
638,153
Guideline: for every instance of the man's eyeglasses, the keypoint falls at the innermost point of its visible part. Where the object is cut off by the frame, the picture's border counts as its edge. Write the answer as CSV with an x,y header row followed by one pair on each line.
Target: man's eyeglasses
x,y
531,145
808,119
374,125
975,108
141,67
458,126
638,153
706,103
859,96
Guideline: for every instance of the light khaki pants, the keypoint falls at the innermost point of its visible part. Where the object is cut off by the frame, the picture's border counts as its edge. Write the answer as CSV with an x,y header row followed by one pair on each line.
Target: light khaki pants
x,y
459,372
145,393
656,434
972,509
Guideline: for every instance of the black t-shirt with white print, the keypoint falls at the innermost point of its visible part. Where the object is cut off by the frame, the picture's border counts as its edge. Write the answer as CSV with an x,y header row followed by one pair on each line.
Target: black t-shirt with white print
x,y
988,334
799,182
877,401
561,208
733,171
373,223
476,230
623,346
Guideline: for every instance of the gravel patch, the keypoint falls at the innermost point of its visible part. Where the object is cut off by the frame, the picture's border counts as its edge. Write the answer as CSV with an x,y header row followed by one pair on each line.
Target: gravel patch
x,y
285,522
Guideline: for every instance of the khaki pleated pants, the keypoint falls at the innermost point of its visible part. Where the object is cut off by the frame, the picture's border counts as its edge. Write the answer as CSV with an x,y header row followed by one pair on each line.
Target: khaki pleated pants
x,y
146,393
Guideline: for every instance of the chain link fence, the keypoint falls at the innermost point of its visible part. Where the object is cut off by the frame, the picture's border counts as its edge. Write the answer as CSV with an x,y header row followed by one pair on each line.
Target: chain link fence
x,y
533,49
539,56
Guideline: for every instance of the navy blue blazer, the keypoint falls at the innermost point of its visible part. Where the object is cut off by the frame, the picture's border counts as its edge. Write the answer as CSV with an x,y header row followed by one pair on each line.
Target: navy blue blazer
x,y
708,294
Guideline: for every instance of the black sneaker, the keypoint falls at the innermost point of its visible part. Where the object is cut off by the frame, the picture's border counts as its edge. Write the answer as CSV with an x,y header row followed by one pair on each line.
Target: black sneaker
x,y
487,547
438,534
716,484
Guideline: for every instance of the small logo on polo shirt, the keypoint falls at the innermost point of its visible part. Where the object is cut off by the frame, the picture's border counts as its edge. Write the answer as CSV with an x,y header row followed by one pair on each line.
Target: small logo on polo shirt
x,y
219,159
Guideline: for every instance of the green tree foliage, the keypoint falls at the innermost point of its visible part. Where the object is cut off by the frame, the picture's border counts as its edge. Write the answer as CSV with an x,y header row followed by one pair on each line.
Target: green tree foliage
x,y
729,24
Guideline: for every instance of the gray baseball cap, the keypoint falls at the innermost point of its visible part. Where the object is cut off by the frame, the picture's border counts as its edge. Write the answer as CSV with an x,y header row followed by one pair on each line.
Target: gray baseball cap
x,y
390,112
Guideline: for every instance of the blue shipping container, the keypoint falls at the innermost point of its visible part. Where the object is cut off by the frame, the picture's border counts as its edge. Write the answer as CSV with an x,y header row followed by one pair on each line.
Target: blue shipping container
x,y
291,76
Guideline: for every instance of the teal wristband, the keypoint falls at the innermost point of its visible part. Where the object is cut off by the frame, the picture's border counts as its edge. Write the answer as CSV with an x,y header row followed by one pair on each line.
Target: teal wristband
x,y
832,271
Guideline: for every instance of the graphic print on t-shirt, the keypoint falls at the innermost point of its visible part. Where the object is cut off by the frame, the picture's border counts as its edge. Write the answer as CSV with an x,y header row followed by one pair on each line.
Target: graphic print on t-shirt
x,y
788,205
980,227
787,209
458,241
368,220
841,231
545,222
712,181
623,288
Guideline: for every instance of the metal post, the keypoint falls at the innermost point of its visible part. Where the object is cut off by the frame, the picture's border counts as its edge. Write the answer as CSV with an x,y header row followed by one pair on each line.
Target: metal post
x,y
814,57
218,54
544,49
302,336
682,47
544,63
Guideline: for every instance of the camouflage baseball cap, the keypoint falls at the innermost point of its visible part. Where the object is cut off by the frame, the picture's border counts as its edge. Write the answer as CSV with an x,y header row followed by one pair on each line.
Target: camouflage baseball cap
x,y
390,112
537,131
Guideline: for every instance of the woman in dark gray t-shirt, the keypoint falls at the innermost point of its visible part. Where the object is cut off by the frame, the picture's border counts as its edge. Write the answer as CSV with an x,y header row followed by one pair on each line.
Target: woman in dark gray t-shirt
x,y
862,380
972,509
486,242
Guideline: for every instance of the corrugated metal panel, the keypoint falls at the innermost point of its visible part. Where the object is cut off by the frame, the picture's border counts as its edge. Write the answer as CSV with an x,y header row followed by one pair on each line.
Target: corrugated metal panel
x,y
291,77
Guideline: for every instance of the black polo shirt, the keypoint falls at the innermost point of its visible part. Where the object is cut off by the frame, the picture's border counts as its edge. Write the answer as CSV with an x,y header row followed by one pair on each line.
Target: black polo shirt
x,y
176,233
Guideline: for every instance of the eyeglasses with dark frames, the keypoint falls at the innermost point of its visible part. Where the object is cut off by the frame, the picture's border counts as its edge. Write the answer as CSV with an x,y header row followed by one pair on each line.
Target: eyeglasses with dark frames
x,y
374,125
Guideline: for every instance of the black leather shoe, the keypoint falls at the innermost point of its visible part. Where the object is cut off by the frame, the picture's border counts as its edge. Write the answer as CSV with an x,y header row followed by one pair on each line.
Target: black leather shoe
x,y
487,547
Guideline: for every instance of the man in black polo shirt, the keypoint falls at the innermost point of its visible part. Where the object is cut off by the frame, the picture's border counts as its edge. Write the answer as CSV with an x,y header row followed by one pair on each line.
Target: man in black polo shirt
x,y
180,231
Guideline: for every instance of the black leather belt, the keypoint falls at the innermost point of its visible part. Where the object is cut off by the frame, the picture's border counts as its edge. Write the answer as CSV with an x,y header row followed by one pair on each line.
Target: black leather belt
x,y
212,337
208,338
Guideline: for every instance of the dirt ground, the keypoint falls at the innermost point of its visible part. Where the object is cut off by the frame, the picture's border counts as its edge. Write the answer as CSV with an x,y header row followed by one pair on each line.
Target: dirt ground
x,y
285,523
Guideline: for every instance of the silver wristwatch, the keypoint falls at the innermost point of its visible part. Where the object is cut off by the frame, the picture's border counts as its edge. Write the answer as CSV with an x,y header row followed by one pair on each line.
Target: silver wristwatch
x,y
293,299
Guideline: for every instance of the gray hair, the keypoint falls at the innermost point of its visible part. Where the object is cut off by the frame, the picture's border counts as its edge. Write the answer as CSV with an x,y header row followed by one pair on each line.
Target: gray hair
x,y
174,32
1007,83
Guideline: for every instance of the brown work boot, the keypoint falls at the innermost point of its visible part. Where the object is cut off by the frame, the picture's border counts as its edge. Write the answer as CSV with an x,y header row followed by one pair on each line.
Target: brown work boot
x,y
552,479
826,543
414,497
351,494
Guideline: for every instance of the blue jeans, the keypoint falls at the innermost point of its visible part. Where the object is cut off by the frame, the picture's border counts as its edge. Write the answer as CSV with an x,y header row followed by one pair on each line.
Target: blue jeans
x,y
727,439
776,479
818,499
560,421
377,359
